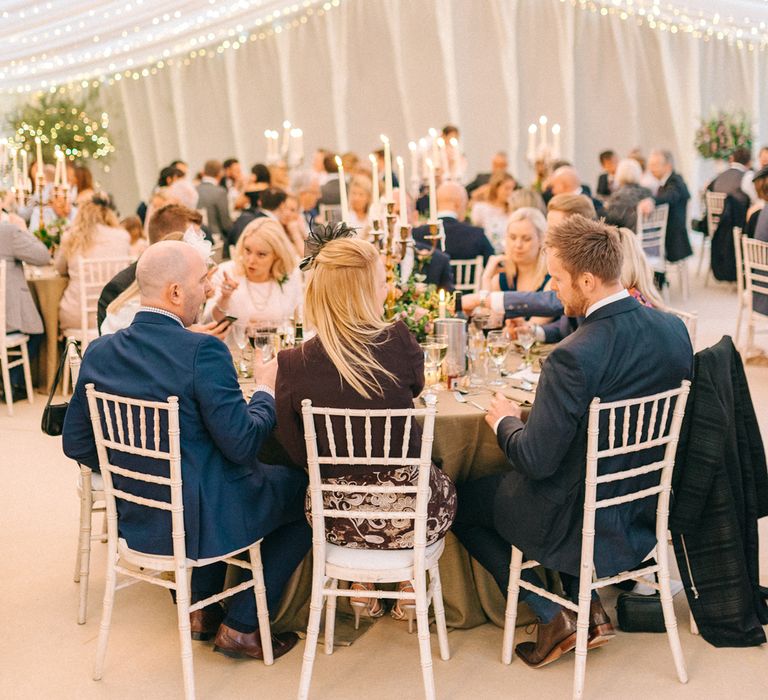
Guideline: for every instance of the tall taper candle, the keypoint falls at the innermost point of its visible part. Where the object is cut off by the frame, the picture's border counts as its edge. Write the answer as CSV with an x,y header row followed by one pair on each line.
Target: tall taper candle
x,y
445,174
375,203
39,152
401,188
432,193
414,159
555,141
387,169
543,124
531,154
286,138
342,191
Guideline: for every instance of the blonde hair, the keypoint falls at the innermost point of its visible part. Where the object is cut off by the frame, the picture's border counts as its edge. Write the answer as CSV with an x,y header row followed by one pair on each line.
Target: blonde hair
x,y
635,271
89,216
536,219
273,234
526,197
341,305
628,172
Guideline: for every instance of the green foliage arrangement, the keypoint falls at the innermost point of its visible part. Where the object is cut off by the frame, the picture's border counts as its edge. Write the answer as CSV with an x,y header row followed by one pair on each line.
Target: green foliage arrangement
x,y
718,136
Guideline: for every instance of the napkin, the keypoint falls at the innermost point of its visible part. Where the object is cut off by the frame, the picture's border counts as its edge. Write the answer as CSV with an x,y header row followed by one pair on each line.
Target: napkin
x,y
527,375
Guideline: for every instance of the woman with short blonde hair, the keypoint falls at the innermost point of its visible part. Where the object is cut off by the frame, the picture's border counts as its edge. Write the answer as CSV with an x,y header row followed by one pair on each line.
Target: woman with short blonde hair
x,y
358,360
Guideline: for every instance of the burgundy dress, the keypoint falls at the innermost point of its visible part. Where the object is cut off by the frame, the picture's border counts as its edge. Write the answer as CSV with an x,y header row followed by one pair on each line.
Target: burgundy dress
x,y
307,372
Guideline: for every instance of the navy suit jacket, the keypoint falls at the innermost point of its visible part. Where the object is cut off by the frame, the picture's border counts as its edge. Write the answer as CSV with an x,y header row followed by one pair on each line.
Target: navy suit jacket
x,y
462,241
438,270
539,504
230,498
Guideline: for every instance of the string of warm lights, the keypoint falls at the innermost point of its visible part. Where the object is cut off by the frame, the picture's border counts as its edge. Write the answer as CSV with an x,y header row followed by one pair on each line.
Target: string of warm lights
x,y
676,19
132,39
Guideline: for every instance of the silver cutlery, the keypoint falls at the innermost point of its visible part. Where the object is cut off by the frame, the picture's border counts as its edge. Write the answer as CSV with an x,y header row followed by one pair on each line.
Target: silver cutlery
x,y
463,399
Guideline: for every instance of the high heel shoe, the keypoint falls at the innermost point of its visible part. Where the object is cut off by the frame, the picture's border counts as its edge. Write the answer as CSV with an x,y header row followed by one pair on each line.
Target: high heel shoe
x,y
405,608
372,605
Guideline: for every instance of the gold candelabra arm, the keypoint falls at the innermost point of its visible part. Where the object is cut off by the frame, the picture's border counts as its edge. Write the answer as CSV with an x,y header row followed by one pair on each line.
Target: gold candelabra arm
x,y
433,235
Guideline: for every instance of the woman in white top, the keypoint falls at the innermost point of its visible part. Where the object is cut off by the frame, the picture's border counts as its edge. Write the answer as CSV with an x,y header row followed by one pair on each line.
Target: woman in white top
x,y
262,284
492,214
95,233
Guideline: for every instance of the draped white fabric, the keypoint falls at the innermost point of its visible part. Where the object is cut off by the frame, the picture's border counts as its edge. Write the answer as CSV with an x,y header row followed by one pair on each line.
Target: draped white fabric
x,y
399,67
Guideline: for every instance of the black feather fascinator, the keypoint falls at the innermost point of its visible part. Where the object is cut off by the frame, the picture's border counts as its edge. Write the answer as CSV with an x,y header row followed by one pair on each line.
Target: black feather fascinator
x,y
319,235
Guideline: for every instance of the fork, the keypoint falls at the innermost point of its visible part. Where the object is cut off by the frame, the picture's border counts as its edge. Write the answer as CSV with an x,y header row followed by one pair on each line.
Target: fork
x,y
463,399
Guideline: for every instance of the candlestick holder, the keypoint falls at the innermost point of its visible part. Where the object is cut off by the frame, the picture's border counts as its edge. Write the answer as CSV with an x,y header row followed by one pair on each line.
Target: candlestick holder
x,y
434,233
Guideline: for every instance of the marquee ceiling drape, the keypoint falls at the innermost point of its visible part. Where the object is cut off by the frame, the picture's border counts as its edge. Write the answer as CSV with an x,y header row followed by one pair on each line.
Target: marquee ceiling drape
x,y
355,68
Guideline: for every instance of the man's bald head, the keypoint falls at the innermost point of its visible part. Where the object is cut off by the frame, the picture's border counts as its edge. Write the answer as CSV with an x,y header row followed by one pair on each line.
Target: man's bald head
x,y
565,180
172,275
452,196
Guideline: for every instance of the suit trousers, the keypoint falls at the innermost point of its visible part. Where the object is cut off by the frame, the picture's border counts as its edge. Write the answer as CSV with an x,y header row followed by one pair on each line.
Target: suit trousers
x,y
283,547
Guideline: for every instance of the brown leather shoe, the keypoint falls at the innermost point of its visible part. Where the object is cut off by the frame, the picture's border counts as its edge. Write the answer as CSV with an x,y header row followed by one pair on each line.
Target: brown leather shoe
x,y
554,639
601,629
205,622
240,645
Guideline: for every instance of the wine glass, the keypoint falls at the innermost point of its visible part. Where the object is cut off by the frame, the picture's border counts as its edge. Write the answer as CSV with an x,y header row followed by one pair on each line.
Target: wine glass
x,y
435,349
526,339
498,347
239,338
264,343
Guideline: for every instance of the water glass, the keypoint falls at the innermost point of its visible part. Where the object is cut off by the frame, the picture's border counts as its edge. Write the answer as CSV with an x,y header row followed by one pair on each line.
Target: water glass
x,y
476,354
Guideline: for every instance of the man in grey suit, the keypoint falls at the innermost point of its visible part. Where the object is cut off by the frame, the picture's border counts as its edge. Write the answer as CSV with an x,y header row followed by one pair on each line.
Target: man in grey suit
x,y
330,193
21,314
213,198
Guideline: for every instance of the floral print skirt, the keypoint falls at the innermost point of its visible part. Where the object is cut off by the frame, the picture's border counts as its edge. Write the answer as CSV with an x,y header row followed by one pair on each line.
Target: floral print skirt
x,y
388,534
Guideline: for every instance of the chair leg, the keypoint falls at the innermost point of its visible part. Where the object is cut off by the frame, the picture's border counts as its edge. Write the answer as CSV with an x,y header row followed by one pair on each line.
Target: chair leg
x,y
83,563
185,632
701,255
694,626
422,630
738,320
437,604
582,636
670,621
6,380
27,373
106,613
313,631
510,616
262,610
330,617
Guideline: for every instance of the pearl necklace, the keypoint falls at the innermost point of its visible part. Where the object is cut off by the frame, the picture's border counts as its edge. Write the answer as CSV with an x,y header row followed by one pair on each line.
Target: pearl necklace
x,y
259,300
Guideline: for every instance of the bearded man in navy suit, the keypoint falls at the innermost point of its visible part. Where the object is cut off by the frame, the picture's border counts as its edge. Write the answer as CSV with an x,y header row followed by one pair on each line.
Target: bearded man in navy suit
x,y
230,498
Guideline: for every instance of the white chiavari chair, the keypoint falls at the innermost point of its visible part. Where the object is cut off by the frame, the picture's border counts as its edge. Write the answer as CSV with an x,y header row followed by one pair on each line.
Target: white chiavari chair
x,y
742,297
467,274
151,429
652,232
690,319
329,213
333,563
13,350
635,425
715,204
756,284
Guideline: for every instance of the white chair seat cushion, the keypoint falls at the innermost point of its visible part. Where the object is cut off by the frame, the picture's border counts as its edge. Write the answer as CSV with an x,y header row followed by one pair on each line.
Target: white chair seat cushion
x,y
97,482
377,559
12,339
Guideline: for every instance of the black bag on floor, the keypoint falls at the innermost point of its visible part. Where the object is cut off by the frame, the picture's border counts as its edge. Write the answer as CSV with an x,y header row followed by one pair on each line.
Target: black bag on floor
x,y
640,613
52,422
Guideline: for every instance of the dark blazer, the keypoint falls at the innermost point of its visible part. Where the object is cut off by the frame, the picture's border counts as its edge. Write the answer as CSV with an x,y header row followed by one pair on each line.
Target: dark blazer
x,y
480,180
214,200
230,498
721,489
723,252
603,186
539,504
245,218
330,193
462,241
438,269
526,304
675,193
113,289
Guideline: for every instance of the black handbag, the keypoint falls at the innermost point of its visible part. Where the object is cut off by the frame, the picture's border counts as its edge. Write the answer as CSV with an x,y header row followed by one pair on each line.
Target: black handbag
x,y
52,422
640,613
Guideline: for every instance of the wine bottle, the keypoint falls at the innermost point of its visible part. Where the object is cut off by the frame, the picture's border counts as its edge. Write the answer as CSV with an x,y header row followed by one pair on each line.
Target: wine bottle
x,y
458,311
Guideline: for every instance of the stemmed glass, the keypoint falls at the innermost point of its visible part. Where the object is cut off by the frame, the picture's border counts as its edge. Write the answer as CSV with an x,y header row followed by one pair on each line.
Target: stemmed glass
x,y
265,343
238,336
526,339
435,349
498,347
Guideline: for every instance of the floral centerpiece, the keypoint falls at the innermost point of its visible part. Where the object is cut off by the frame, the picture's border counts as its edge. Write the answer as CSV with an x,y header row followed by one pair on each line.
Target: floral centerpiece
x,y
50,233
718,136
417,305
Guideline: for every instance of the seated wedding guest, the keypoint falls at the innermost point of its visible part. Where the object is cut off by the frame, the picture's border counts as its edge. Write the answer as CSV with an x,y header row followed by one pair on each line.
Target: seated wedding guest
x,y
762,158
492,214
499,164
170,218
166,178
621,206
159,198
360,196
317,168
295,225
279,175
561,206
18,246
636,273
462,241
262,284
139,243
213,199
757,221
329,192
566,180
230,498
736,180
357,360
270,204
184,192
527,197
606,183
95,233
180,165
308,192
59,211
85,188
350,161
538,504
523,267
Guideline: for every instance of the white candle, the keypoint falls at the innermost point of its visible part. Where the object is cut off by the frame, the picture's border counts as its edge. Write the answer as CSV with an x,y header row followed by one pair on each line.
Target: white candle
x,y
401,188
455,160
286,138
24,165
3,154
555,141
342,191
543,125
40,163
414,159
423,153
443,159
375,177
387,169
531,143
435,154
297,146
432,192
441,312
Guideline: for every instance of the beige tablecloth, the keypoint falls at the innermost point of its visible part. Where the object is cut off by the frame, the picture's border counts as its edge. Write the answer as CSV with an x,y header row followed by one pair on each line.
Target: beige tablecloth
x,y
47,288
467,449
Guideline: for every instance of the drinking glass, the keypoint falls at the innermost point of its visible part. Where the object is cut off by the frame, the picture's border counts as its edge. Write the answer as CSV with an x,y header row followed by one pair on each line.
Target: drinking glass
x,y
526,339
435,349
498,347
265,343
239,338
475,351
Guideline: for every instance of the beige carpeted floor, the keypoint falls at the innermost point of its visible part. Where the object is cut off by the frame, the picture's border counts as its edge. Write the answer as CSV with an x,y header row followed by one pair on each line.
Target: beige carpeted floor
x,y
45,654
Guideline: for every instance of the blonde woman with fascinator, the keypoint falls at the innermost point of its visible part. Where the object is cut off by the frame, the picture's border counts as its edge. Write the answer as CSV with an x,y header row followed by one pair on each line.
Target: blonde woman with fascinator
x,y
359,361
95,233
